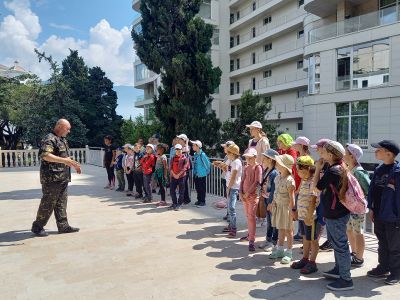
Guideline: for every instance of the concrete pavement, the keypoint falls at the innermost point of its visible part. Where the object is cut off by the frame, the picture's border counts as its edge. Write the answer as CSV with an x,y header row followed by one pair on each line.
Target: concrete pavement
x,y
130,250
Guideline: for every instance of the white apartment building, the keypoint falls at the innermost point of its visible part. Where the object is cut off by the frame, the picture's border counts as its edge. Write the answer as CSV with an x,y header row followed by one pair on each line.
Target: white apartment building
x,y
352,54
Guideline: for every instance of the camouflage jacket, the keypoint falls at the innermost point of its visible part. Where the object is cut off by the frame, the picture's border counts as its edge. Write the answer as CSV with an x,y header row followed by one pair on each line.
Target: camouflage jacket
x,y
49,171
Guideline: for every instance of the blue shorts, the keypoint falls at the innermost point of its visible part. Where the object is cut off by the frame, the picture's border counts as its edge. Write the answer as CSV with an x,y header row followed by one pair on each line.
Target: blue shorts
x,y
311,233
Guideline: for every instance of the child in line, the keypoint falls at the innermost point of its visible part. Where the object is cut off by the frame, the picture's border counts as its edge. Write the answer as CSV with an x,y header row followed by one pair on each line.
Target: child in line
x,y
161,172
201,168
233,176
148,163
355,227
119,170
251,180
283,208
178,173
309,226
109,160
384,203
267,190
137,171
128,168
333,186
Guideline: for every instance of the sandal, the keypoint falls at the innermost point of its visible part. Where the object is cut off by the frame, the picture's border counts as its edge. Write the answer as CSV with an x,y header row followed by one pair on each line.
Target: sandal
x,y
232,233
299,264
244,238
287,259
309,268
226,229
276,254
252,248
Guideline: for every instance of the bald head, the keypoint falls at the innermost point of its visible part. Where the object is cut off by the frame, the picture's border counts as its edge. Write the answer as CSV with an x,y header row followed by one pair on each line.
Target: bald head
x,y
62,128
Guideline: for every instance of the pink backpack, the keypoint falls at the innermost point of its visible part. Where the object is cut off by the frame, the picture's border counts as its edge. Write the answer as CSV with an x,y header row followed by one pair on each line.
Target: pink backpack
x,y
355,199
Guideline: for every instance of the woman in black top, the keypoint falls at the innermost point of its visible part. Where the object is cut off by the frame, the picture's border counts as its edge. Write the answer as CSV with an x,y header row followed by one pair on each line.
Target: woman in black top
x,y
333,186
109,160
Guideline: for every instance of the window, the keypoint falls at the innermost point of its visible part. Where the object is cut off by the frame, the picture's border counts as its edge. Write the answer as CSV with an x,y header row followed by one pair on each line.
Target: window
x,y
254,6
365,65
237,15
237,40
387,11
233,111
232,65
267,20
314,63
253,58
232,42
231,19
254,83
205,9
300,34
302,93
215,38
299,126
300,64
267,73
253,30
237,87
232,88
237,63
301,2
141,72
268,47
352,123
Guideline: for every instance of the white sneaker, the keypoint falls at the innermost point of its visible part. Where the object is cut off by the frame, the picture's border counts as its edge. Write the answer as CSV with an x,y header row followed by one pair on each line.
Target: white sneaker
x,y
265,246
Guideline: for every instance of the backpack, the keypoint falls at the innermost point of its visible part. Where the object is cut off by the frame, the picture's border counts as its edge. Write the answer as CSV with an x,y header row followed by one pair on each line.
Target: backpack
x,y
355,200
207,165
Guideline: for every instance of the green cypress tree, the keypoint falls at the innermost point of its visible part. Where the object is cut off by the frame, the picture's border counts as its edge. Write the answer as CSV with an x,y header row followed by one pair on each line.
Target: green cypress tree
x,y
175,43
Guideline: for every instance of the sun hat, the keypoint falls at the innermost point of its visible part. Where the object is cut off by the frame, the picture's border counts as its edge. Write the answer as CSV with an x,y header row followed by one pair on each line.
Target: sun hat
x,y
251,152
178,147
321,143
234,149
270,153
389,145
355,150
285,139
228,143
335,148
197,142
285,161
255,124
301,140
182,137
305,160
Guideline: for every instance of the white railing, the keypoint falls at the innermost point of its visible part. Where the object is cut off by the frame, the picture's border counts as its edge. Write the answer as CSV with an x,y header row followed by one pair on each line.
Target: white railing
x,y
30,158
377,18
95,156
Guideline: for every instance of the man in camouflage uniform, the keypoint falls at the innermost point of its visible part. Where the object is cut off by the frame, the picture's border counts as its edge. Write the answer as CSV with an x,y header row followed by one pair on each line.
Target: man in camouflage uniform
x,y
55,173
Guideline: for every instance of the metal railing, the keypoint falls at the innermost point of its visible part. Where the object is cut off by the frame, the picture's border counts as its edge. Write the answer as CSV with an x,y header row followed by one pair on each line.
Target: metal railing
x,y
381,17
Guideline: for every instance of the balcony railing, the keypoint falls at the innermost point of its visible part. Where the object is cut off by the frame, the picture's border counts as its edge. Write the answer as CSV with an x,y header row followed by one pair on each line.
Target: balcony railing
x,y
287,107
385,16
249,9
274,52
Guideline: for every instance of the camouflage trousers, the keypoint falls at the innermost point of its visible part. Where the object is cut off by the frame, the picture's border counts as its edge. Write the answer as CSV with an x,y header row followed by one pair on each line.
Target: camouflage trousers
x,y
54,198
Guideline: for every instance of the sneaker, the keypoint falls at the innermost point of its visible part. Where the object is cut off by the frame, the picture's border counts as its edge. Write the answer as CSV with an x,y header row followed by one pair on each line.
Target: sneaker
x,y
326,247
341,285
252,248
171,207
265,245
162,204
201,204
332,274
226,229
68,229
129,194
178,207
112,187
287,258
276,254
107,186
138,196
392,279
244,238
309,268
356,262
378,272
196,203
147,201
40,233
232,233
118,190
299,264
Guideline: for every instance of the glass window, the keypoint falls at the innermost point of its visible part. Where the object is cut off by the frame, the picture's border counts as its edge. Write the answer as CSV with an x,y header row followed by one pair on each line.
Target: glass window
x,y
299,126
142,72
215,37
232,88
301,2
267,20
233,111
302,93
205,9
232,42
253,58
352,123
314,63
268,47
231,19
238,63
237,15
232,65
254,32
254,6
300,64
267,73
237,40
237,87
254,83
300,34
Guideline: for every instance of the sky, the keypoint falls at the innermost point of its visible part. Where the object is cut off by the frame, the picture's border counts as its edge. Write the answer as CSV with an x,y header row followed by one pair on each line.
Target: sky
x,y
98,29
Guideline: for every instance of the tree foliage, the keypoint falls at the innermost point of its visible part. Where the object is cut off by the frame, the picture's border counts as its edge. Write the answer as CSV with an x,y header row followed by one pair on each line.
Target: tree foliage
x,y
132,130
251,108
176,43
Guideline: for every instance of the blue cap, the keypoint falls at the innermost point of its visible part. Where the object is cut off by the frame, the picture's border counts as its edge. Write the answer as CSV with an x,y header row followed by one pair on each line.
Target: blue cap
x,y
270,153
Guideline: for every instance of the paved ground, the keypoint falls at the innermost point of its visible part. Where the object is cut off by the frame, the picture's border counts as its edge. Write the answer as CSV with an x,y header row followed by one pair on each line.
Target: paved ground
x,y
129,250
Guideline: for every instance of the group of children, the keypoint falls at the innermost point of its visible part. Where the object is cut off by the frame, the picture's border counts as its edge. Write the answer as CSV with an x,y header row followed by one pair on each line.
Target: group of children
x,y
333,193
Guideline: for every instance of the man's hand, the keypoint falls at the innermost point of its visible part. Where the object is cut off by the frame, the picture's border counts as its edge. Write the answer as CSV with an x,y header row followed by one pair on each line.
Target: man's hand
x,y
73,164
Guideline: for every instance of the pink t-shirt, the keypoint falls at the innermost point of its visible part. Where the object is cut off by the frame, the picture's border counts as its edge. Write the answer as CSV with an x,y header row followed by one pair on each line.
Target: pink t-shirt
x,y
251,179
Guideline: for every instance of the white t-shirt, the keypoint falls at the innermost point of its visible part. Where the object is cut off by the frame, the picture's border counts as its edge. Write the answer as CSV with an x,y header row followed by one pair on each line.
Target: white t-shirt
x,y
234,165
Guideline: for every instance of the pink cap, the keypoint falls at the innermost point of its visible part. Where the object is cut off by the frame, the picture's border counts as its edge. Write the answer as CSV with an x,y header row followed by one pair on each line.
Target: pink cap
x,y
321,143
355,150
301,140
251,152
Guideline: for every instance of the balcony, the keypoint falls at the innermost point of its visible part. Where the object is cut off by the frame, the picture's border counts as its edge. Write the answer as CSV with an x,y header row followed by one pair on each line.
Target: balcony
x,y
143,76
141,101
323,8
274,84
382,17
278,54
292,110
278,26
136,5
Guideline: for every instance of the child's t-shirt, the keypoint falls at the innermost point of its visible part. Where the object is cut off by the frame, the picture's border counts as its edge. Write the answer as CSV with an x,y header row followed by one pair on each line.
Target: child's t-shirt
x,y
282,185
362,177
234,165
118,161
148,162
129,162
160,160
305,198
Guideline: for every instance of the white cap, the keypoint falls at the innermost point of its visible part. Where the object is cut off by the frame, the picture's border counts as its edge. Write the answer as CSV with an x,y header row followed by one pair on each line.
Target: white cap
x,y
255,124
355,150
301,140
197,142
126,146
251,152
228,143
151,146
178,147
182,137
